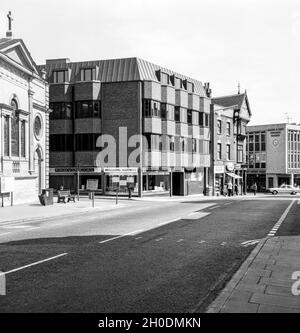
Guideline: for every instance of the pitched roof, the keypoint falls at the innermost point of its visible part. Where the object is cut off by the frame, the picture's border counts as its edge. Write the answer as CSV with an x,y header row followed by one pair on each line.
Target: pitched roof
x,y
117,70
232,100
8,44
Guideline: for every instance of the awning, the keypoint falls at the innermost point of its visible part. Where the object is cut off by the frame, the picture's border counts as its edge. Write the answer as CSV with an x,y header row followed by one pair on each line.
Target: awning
x,y
233,175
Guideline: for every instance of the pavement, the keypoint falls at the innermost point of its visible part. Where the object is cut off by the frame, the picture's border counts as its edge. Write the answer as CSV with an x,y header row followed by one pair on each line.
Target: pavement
x,y
35,211
267,282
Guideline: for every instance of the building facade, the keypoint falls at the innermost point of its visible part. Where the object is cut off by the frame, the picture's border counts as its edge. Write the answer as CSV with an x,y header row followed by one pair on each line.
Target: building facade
x,y
24,116
230,115
273,155
156,121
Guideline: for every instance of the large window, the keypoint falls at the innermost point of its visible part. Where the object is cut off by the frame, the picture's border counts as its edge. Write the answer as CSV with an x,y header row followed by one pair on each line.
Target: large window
x,y
88,109
61,110
219,126
6,136
228,152
151,108
87,142
60,76
87,74
172,143
177,113
14,129
23,136
228,128
219,151
240,154
61,142
190,117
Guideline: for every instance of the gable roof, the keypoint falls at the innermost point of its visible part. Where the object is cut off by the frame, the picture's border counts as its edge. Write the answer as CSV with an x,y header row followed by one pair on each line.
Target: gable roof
x,y
233,100
16,50
117,70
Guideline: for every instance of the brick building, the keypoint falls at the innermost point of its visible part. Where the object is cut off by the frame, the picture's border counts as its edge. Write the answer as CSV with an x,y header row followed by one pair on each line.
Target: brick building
x,y
23,124
230,116
273,155
150,111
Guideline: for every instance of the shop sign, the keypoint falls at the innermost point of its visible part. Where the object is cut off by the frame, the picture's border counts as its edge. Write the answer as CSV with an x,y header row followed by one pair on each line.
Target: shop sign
x,y
123,182
92,184
219,169
7,184
74,170
115,179
121,171
230,166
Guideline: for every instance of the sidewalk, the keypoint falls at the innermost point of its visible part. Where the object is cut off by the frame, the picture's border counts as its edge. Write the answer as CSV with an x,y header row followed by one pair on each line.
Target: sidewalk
x,y
35,211
264,281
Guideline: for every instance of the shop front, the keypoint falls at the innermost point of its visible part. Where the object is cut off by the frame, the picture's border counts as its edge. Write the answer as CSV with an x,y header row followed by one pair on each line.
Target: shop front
x,y
156,181
121,180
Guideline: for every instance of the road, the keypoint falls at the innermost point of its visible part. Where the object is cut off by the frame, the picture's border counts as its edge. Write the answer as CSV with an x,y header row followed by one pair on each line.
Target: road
x,y
148,257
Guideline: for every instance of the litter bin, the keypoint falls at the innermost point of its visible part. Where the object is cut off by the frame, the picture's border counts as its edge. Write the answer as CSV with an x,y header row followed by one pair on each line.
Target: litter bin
x,y
46,198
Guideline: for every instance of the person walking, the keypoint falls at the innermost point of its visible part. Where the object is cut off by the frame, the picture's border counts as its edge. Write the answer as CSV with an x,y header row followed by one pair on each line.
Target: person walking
x,y
229,189
254,188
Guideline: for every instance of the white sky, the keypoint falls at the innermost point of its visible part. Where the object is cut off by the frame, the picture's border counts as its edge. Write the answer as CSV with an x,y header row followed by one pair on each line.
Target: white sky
x,y
256,43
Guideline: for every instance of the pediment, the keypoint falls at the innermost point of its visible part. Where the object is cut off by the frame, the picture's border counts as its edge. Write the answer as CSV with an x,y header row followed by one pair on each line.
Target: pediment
x,y
18,52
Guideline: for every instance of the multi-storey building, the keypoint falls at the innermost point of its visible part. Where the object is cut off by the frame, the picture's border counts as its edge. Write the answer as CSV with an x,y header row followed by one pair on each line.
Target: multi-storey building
x,y
145,109
273,155
23,124
230,116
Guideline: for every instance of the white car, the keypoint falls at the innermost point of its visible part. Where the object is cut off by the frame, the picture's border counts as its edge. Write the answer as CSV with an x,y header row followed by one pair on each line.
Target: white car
x,y
284,189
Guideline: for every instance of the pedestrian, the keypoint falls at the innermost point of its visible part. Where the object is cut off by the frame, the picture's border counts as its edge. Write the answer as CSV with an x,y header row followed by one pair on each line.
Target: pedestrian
x,y
229,188
254,187
236,189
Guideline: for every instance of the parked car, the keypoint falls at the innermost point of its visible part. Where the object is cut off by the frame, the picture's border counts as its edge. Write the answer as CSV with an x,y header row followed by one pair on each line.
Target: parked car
x,y
284,189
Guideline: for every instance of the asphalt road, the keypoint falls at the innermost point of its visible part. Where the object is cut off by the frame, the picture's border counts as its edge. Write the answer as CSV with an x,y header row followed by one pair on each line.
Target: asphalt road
x,y
178,266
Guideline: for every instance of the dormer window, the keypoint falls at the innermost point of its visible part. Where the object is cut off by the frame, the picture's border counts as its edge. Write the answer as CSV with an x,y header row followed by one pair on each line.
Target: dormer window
x,y
190,86
60,76
164,78
178,83
87,74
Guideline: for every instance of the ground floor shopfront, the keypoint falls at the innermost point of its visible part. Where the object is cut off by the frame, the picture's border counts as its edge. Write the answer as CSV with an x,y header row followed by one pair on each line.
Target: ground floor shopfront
x,y
107,181
265,181
229,173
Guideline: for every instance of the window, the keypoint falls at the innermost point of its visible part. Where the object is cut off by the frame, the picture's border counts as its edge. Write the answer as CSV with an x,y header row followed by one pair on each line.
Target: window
x,y
219,127
251,140
263,142
14,129
23,135
88,109
60,76
183,144
87,142
61,110
170,112
177,113
151,108
228,129
87,74
206,120
6,136
219,151
201,119
228,152
163,111
61,142
240,154
257,142
190,86
194,145
172,143
178,83
189,117
164,78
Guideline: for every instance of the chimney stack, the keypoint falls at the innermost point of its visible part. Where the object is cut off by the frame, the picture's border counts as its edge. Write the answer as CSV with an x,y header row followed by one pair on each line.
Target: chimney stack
x,y
9,31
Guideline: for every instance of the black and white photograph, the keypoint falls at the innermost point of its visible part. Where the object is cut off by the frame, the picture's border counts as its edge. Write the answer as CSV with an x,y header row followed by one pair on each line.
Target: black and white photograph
x,y
149,160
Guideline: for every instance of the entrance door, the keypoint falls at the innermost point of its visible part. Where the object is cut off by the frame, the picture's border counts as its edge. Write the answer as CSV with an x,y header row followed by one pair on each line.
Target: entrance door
x,y
178,183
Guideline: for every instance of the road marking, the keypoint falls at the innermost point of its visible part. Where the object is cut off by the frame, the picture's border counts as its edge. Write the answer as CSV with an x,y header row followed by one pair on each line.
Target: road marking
x,y
138,238
180,240
117,237
281,220
201,242
35,263
214,207
158,239
250,242
224,243
228,203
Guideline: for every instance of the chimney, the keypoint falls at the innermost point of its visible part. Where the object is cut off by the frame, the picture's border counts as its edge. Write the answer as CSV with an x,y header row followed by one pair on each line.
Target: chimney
x,y
9,31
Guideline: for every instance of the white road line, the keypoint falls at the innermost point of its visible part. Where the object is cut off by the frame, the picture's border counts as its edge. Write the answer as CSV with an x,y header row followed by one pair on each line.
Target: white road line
x,y
214,207
201,242
280,221
35,263
228,203
180,240
158,239
224,243
138,238
117,237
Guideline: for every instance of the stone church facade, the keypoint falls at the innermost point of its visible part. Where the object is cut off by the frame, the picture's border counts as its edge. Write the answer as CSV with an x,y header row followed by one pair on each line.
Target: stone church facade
x,y
24,125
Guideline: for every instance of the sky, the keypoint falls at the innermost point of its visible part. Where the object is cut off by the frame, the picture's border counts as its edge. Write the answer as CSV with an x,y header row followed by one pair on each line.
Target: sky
x,y
224,42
